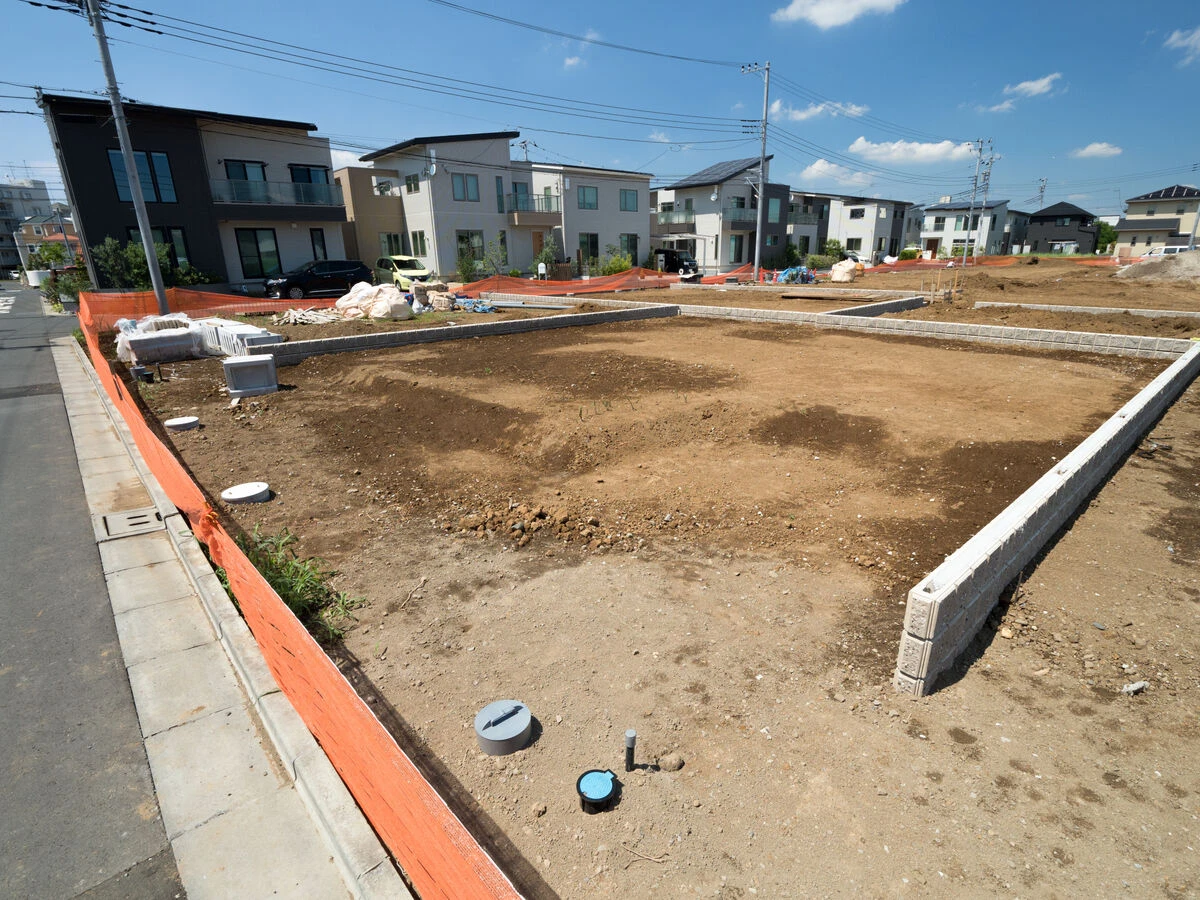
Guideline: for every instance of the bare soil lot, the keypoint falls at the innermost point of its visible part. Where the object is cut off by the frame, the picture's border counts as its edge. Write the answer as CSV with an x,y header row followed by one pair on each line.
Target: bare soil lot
x,y
718,523
791,297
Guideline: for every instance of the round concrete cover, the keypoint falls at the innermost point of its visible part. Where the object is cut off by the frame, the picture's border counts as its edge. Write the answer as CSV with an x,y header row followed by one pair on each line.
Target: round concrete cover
x,y
503,727
183,423
250,492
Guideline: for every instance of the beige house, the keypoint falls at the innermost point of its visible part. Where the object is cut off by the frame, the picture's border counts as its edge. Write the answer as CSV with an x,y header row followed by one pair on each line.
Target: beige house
x,y
1164,218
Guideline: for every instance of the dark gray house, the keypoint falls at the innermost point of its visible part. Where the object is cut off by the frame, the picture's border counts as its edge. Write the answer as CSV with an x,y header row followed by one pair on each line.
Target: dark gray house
x,y
240,197
1062,228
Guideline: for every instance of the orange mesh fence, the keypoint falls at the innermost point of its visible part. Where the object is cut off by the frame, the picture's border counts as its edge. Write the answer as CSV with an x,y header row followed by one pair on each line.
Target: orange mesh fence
x,y
1098,261
901,264
437,853
745,273
629,280
101,311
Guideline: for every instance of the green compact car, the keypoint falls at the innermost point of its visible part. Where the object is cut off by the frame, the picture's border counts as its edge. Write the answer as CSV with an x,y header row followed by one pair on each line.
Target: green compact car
x,y
401,271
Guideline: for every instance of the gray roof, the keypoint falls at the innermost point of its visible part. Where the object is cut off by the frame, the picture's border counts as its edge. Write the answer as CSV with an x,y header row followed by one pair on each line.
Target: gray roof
x,y
1148,225
1062,209
1175,192
441,139
717,174
132,107
965,205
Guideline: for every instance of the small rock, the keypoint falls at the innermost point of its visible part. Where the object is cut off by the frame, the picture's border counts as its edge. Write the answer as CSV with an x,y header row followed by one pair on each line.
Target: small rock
x,y
1043,671
1136,688
672,762
538,810
1098,626
1006,633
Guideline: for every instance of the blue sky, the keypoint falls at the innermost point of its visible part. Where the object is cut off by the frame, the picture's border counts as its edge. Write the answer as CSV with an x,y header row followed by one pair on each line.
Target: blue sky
x,y
873,97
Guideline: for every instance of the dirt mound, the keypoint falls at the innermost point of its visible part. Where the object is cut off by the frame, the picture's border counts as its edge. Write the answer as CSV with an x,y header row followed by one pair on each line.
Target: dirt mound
x,y
1182,267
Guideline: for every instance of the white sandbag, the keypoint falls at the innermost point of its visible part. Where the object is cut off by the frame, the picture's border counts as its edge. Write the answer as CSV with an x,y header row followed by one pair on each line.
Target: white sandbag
x,y
843,272
390,308
355,296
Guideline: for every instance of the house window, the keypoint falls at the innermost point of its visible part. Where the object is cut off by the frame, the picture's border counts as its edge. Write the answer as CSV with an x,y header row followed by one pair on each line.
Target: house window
x,y
772,240
470,242
628,200
882,215
589,246
629,246
309,174
803,244
939,223
858,213
500,193
241,170
1062,221
960,223
666,207
389,243
854,244
37,229
172,237
418,244
687,204
773,206
259,252
1133,241
1149,240
1180,210
412,184
879,244
737,202
1152,210
466,187
154,175
588,197
317,236
735,247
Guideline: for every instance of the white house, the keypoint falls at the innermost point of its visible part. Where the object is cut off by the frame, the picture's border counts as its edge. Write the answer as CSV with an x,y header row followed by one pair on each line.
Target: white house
x,y
992,229
714,215
869,226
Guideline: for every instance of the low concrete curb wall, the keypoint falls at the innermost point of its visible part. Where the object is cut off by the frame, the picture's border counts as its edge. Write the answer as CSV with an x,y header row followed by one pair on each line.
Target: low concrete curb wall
x,y
815,291
1092,310
293,352
947,609
878,309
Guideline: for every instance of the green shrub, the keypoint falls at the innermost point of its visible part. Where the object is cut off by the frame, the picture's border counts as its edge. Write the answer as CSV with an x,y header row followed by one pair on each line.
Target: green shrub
x,y
792,256
615,263
514,273
466,267
818,261
910,253
832,247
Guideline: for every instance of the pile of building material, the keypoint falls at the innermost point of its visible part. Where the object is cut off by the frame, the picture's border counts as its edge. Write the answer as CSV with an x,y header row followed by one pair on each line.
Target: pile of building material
x,y
225,337
306,317
373,301
843,272
158,339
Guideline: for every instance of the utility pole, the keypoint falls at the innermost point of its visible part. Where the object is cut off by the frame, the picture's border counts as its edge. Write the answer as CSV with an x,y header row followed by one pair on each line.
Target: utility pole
x,y
974,190
131,172
1041,193
762,161
987,184
63,228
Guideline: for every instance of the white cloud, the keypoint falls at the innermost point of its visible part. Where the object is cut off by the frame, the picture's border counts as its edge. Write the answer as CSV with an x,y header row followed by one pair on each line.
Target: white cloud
x,y
824,170
344,158
1035,87
911,151
1006,106
660,136
1188,42
592,34
1099,150
737,106
572,61
788,113
831,13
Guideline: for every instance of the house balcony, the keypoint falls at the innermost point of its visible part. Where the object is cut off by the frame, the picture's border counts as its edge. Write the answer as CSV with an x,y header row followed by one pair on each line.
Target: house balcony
x,y
803,218
675,221
289,201
739,218
533,210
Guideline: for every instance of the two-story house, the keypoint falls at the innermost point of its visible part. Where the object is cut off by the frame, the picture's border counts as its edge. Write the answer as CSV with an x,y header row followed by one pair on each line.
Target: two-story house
x,y
1062,228
714,215
870,227
1162,218
240,197
808,220
988,229
53,229
438,196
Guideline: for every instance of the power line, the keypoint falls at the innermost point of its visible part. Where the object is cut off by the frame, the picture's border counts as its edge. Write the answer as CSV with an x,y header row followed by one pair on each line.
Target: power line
x,y
583,39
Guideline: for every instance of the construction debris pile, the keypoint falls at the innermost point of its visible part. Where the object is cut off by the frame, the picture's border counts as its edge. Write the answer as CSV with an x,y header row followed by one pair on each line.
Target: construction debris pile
x,y
175,336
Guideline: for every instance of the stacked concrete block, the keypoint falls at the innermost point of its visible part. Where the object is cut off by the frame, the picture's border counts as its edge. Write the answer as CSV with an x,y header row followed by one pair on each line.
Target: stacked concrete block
x,y
250,376
948,608
225,337
168,345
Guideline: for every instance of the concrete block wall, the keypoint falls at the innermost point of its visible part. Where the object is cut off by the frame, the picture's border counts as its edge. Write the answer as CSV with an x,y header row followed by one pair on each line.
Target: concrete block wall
x,y
293,352
1093,310
948,608
871,310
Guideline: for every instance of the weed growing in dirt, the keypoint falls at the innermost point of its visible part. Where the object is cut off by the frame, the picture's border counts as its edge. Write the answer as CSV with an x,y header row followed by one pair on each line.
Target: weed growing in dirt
x,y
300,583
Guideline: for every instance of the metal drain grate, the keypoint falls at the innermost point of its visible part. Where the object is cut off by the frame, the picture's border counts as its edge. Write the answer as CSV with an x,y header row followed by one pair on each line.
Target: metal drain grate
x,y
134,521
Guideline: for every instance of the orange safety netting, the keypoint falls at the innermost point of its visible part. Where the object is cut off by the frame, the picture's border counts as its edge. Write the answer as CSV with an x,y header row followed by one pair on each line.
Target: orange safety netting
x,y
902,264
439,856
629,280
102,311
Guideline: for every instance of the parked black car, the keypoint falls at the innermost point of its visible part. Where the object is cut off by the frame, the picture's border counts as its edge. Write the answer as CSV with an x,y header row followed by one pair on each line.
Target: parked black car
x,y
321,276
671,260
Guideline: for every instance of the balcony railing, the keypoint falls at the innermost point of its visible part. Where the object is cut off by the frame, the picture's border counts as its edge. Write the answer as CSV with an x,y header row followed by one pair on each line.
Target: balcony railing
x,y
740,214
802,218
677,217
532,203
278,193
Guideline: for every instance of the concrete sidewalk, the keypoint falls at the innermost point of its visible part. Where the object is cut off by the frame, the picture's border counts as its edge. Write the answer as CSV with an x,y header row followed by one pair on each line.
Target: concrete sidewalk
x,y
250,803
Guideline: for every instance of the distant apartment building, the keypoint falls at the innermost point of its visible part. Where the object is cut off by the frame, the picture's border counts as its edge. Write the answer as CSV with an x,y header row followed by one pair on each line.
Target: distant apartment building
x,y
1164,218
713,214
441,196
20,199
240,197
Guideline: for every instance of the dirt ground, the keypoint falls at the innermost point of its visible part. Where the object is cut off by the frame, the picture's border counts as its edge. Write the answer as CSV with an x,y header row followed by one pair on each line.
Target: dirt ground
x,y
705,531
791,297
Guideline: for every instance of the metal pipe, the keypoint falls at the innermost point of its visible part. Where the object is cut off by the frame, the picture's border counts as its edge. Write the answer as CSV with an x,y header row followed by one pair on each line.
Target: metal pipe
x,y
630,741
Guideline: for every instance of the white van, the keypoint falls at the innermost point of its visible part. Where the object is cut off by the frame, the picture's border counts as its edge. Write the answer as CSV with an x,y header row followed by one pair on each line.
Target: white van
x,y
1158,252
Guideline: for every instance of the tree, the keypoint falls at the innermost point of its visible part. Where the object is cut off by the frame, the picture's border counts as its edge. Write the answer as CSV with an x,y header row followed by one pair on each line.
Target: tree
x,y
832,247
124,266
1105,237
52,255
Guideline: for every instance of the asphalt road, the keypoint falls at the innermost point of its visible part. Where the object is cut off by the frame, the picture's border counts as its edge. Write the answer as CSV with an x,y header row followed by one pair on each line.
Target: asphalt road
x,y
78,815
